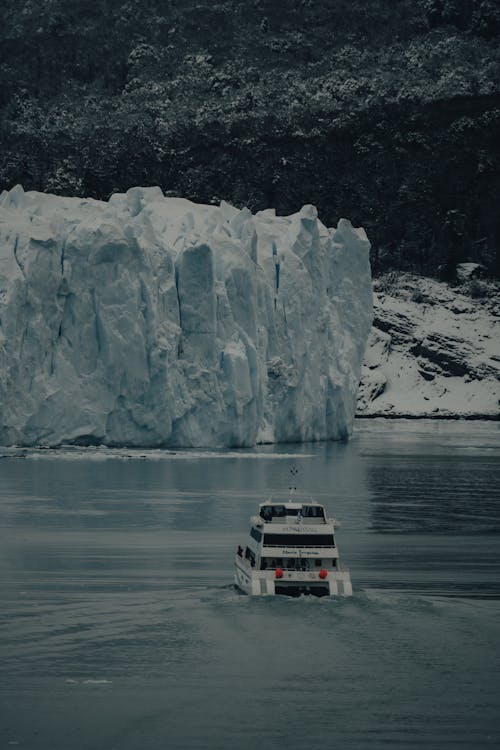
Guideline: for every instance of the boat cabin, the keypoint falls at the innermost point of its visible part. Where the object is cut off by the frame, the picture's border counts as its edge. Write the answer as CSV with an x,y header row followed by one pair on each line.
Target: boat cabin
x,y
292,536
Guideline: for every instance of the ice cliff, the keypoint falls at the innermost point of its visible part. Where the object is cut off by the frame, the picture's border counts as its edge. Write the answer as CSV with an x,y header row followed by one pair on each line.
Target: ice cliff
x,y
153,321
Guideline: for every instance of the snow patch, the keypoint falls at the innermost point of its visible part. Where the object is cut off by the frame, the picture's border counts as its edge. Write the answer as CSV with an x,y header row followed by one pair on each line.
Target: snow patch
x,y
432,352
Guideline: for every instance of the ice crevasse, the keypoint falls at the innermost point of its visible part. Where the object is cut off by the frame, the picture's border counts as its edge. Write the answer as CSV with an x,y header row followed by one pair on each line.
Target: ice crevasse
x,y
155,321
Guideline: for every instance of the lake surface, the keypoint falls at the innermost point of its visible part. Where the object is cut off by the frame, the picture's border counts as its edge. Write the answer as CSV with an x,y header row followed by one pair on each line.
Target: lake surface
x,y
120,628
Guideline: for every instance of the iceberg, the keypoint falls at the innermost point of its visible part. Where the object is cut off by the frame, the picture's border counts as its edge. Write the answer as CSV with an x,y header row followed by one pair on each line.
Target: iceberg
x,y
151,321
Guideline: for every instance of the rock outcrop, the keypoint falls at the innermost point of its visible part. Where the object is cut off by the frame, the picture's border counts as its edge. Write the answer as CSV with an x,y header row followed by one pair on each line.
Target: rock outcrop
x,y
433,351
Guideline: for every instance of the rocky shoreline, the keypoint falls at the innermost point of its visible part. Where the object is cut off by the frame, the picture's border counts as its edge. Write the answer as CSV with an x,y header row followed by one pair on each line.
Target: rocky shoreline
x,y
433,351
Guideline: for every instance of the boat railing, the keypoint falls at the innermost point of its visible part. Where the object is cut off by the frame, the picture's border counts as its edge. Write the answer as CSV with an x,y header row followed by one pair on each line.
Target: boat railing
x,y
342,568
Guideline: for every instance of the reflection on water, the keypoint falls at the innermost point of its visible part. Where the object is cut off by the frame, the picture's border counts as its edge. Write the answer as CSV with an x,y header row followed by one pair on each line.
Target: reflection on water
x,y
409,494
119,626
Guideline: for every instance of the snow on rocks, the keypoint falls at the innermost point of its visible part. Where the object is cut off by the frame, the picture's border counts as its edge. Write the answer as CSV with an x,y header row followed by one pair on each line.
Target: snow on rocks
x,y
433,351
152,321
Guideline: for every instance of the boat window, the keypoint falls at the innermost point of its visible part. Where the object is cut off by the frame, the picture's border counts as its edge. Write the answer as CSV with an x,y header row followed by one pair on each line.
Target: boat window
x,y
318,563
255,534
268,512
299,540
312,511
296,563
249,555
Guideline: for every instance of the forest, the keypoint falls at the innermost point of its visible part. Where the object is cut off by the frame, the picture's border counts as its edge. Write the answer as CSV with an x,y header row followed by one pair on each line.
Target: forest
x,y
384,111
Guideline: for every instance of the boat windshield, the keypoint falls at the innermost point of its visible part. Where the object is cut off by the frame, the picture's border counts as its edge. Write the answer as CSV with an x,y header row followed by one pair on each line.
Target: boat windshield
x,y
312,511
268,512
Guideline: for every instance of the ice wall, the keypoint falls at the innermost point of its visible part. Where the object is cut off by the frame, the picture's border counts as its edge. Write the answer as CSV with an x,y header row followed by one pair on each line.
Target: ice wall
x,y
153,321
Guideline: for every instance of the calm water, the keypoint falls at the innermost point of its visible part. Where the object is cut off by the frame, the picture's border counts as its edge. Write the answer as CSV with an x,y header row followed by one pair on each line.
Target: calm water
x,y
119,626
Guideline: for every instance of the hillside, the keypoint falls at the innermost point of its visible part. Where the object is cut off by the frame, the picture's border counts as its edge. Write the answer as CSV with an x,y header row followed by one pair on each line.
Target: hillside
x,y
386,112
434,350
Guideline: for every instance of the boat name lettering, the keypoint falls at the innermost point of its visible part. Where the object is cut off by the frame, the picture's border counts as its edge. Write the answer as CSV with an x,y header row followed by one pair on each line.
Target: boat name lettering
x,y
301,529
303,552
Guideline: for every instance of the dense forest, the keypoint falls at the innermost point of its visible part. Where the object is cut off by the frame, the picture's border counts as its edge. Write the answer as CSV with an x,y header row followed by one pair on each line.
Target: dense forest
x,y
384,111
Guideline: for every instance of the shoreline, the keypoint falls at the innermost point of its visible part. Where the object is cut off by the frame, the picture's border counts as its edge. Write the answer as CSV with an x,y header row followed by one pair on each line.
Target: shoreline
x,y
259,450
438,417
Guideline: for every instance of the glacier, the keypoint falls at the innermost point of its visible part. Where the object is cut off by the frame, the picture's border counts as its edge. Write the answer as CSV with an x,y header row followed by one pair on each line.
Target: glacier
x,y
152,321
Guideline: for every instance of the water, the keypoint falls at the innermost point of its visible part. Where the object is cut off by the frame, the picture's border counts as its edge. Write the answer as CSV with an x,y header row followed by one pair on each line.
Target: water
x,y
119,626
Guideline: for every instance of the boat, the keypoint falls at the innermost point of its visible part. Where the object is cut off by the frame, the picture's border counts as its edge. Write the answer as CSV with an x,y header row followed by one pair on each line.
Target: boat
x,y
291,551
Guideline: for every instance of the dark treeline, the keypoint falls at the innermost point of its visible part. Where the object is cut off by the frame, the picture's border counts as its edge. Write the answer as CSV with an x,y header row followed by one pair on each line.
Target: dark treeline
x,y
384,111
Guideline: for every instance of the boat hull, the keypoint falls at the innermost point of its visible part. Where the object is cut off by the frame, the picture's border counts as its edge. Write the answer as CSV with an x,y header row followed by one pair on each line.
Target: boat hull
x,y
291,583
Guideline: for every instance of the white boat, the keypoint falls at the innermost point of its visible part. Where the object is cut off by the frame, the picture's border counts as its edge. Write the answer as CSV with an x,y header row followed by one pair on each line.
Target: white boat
x,y
291,551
